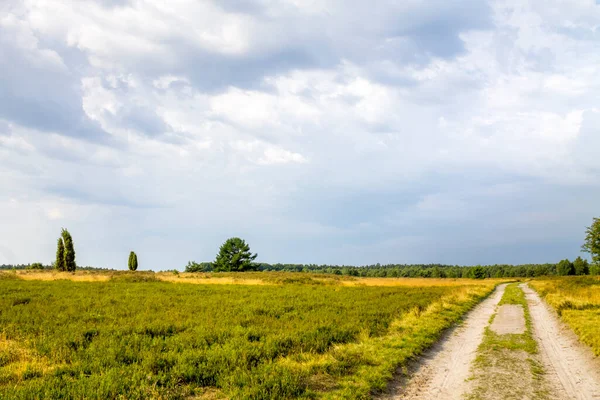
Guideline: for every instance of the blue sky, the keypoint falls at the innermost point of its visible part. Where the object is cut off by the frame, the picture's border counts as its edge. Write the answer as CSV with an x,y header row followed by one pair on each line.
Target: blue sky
x,y
341,132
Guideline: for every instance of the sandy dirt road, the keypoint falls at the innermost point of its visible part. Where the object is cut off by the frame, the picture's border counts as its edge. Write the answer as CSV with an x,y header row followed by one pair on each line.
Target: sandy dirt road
x,y
571,371
568,363
443,370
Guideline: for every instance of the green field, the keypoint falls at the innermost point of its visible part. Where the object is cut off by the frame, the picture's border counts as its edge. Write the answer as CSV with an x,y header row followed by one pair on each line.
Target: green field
x,y
135,340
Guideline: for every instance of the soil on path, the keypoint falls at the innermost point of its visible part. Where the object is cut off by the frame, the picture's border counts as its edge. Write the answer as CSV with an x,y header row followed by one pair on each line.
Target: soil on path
x,y
442,371
510,318
569,371
569,364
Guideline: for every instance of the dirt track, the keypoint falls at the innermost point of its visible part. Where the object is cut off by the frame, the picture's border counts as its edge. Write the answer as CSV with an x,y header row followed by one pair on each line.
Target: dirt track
x,y
571,371
444,369
567,362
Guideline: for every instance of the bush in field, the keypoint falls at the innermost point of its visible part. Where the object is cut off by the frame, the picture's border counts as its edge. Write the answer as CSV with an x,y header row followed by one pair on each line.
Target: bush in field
x,y
581,266
235,255
193,266
133,261
35,266
565,267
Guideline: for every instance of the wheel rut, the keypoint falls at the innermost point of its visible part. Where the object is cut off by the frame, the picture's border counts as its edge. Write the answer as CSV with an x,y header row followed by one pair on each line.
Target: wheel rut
x,y
567,362
442,371
571,372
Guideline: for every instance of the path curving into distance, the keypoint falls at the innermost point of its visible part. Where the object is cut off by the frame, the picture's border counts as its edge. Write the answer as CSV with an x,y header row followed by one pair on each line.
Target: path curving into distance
x,y
443,370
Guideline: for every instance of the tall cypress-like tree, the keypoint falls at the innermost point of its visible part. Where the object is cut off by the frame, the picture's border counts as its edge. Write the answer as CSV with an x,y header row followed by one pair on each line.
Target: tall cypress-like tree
x,y
133,262
69,251
60,255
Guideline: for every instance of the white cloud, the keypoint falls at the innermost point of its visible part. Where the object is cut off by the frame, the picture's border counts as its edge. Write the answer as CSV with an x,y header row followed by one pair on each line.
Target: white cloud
x,y
275,155
212,111
55,213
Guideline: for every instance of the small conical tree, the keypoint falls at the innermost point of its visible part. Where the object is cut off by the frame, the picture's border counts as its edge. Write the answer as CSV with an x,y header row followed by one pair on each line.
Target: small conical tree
x,y
69,251
133,262
60,255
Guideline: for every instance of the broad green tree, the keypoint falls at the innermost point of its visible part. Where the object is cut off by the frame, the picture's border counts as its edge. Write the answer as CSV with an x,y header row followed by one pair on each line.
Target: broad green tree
x,y
565,267
581,266
235,255
59,264
69,263
133,261
592,244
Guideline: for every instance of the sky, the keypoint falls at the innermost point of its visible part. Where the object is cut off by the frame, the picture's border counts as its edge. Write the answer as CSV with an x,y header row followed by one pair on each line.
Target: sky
x,y
329,131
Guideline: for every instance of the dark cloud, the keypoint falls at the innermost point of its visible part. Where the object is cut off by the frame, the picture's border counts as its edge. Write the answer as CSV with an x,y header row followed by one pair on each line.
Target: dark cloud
x,y
214,72
114,3
4,128
356,31
241,6
43,95
142,119
588,143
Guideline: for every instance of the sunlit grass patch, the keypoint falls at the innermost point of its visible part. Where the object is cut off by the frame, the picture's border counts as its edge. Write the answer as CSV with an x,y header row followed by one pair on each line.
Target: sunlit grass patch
x,y
577,301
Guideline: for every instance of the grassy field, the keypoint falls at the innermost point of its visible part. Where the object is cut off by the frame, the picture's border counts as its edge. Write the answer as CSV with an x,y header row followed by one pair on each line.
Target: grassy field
x,y
135,336
577,300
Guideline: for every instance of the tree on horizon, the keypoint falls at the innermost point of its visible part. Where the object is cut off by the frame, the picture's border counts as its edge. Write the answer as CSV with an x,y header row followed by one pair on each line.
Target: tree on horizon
x,y
234,255
133,261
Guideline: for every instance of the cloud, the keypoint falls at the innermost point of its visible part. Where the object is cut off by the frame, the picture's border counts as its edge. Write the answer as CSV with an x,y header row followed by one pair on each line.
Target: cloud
x,y
274,155
37,89
329,131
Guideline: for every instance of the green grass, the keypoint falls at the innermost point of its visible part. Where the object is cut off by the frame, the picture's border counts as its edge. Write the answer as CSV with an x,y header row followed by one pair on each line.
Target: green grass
x,y
138,338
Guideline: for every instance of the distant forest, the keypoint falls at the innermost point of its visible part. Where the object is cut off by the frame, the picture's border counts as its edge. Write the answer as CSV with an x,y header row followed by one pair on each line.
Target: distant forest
x,y
565,267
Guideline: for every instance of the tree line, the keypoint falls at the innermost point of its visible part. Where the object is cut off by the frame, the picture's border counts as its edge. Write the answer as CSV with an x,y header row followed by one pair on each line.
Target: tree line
x,y
236,249
234,255
413,270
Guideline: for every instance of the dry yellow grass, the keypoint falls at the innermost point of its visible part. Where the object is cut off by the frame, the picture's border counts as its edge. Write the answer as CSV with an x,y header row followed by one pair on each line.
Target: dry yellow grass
x,y
22,362
254,278
566,293
577,300
418,282
182,278
80,276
